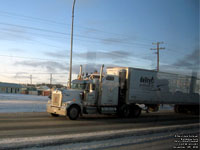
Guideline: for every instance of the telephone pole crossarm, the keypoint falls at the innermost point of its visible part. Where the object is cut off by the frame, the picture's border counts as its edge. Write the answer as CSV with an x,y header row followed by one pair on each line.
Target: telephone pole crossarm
x,y
158,50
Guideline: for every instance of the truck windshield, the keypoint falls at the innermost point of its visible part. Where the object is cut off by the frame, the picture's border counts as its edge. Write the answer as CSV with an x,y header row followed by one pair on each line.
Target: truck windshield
x,y
78,86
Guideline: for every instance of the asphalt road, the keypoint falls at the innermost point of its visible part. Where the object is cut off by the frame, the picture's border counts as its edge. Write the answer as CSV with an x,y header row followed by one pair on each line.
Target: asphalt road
x,y
30,125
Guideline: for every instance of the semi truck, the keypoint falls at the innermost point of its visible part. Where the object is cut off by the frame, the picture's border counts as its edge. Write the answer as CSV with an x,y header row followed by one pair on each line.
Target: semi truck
x,y
123,90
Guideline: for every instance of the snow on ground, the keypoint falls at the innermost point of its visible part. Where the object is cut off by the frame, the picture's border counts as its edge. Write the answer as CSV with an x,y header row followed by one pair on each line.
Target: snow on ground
x,y
33,103
22,103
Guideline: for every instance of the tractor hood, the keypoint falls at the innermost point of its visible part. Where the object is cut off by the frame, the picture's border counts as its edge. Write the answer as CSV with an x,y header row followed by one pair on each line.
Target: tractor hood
x,y
71,95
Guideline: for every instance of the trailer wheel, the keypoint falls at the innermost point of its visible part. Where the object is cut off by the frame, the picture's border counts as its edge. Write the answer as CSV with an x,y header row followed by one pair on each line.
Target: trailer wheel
x,y
194,109
135,111
180,109
73,112
125,111
54,115
176,109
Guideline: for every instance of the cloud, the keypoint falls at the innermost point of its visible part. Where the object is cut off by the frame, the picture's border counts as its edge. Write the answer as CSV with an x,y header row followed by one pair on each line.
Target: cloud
x,y
49,66
89,68
22,75
190,61
122,62
114,55
112,40
57,54
16,50
14,33
188,65
91,31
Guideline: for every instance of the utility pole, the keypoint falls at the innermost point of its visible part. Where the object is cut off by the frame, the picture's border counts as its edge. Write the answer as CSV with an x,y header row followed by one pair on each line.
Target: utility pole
x,y
72,27
31,79
158,52
51,78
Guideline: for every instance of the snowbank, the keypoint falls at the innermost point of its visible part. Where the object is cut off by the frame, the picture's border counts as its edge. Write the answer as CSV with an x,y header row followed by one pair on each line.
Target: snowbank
x,y
22,103
32,103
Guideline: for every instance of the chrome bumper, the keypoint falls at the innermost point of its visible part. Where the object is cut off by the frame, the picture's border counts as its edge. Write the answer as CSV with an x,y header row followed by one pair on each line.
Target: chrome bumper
x,y
56,110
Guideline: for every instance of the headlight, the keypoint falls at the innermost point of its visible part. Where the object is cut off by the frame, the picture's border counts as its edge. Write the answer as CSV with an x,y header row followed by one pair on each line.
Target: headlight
x,y
64,104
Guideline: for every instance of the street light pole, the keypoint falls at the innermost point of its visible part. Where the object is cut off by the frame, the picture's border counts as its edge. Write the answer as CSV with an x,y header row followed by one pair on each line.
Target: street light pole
x,y
70,69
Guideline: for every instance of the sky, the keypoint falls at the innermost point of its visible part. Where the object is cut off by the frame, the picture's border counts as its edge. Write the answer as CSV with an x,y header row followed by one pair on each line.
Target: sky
x,y
35,37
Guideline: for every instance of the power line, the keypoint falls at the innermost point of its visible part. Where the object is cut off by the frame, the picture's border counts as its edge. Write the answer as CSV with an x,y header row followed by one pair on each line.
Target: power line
x,y
76,35
33,28
14,56
39,73
64,24
33,40
31,18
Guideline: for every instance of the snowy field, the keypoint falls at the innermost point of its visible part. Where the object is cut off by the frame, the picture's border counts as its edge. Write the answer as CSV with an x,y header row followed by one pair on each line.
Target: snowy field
x,y
32,103
22,103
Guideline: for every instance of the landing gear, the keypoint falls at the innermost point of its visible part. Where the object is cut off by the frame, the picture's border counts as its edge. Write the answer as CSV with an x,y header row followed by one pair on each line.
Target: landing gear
x,y
152,108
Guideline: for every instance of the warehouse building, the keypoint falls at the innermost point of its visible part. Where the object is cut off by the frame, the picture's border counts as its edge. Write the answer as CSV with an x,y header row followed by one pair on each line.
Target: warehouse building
x,y
10,88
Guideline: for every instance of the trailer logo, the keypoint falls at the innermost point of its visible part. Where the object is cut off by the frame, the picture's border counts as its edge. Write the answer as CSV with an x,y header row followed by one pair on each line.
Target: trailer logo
x,y
145,81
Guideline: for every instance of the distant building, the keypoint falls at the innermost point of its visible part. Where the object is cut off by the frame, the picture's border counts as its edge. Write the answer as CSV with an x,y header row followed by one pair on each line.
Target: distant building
x,y
10,88
44,90
31,90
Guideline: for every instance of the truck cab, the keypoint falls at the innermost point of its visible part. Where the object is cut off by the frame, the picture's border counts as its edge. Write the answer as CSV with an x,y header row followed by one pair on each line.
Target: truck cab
x,y
87,96
68,102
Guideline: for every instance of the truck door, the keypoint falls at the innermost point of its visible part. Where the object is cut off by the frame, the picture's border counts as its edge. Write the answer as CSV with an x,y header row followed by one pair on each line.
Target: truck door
x,y
110,88
91,95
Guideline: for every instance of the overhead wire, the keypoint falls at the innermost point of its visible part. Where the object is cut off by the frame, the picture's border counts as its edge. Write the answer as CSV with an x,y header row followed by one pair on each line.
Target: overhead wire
x,y
62,23
76,35
14,56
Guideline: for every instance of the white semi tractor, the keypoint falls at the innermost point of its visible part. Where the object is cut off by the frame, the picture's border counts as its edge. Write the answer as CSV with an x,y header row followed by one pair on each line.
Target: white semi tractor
x,y
122,90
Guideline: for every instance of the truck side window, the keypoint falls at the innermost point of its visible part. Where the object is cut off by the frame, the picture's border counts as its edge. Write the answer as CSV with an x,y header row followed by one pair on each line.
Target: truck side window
x,y
111,78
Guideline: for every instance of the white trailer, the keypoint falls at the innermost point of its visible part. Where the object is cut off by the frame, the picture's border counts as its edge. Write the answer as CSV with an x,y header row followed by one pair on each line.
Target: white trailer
x,y
122,90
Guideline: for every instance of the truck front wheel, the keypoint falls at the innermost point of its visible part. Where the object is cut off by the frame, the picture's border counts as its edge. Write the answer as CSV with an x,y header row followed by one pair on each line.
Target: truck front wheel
x,y
73,112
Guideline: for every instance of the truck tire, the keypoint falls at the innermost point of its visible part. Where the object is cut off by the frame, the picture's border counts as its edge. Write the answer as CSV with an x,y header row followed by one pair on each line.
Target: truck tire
x,y
135,111
73,112
176,109
194,110
54,115
125,111
180,109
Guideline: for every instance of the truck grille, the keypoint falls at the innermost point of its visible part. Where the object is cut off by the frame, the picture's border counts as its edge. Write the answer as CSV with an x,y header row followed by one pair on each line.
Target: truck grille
x,y
56,99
